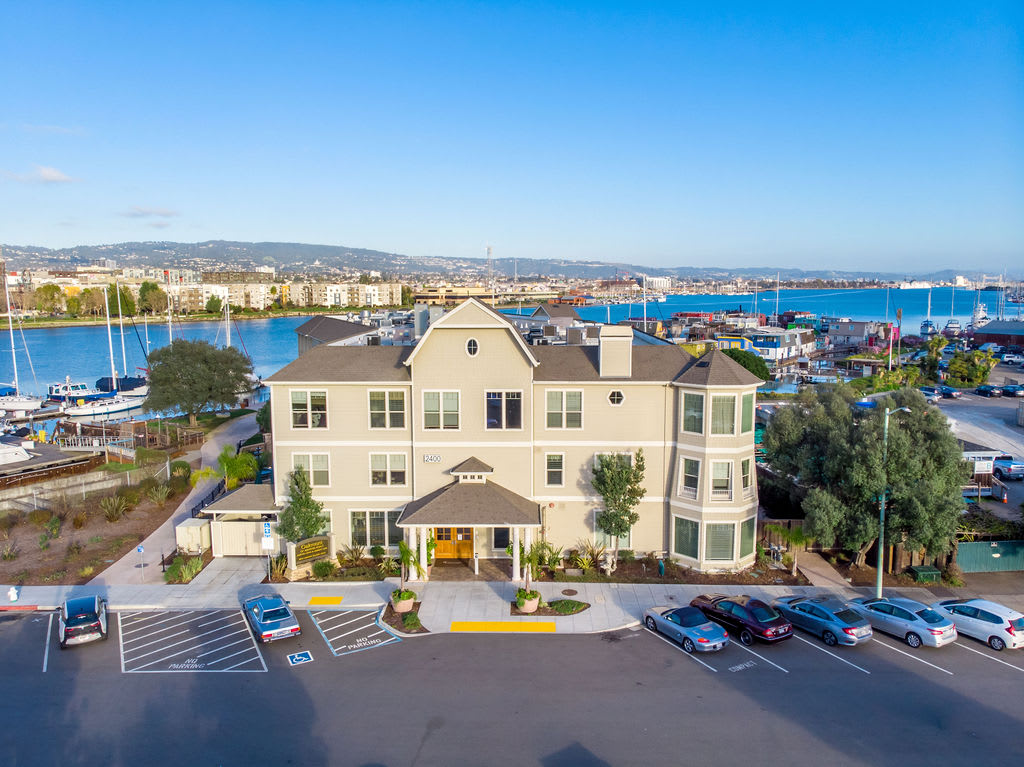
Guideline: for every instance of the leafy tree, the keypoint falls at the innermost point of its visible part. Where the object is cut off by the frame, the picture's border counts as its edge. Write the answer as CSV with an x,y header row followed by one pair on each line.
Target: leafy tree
x,y
152,299
930,364
752,362
303,516
263,418
406,295
273,290
92,301
834,450
214,305
231,467
49,298
127,301
73,305
193,376
619,483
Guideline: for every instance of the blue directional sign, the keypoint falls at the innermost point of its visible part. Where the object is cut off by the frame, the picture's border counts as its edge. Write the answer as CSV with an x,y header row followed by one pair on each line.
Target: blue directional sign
x,y
299,658
140,549
266,529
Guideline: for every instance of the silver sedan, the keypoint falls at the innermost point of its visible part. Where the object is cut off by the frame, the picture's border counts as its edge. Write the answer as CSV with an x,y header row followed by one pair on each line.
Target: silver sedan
x,y
915,623
688,626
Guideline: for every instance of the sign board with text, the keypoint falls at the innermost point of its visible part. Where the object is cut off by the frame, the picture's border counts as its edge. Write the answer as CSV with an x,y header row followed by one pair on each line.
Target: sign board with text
x,y
312,549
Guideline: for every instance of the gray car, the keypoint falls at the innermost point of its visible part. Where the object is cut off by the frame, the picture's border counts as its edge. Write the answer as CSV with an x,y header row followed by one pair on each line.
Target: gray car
x,y
831,619
688,626
915,623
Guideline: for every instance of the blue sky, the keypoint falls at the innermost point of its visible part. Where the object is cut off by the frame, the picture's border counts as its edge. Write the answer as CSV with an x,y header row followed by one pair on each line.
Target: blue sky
x,y
865,136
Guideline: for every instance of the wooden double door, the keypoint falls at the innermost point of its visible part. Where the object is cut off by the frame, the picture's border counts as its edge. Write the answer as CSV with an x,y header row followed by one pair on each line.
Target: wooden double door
x,y
453,542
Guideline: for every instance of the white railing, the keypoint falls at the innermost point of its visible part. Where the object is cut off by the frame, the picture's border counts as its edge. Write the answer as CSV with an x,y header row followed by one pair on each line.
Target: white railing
x,y
117,445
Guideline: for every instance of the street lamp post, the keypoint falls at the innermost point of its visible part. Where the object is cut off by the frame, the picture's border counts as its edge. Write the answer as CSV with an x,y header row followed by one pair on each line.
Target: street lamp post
x,y
881,506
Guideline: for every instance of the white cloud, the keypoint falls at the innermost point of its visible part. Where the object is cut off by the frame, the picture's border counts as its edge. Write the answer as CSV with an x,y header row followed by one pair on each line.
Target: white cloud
x,y
42,174
138,211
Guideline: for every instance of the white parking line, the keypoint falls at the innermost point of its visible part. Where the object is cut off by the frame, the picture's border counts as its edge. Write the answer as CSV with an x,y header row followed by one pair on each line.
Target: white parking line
x,y
986,655
743,647
120,640
171,617
162,639
364,624
357,618
187,650
46,650
912,657
353,631
827,652
222,647
677,647
183,641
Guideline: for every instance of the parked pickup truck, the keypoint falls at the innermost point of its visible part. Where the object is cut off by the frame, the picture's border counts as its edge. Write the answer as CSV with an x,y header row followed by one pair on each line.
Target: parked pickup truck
x,y
1004,467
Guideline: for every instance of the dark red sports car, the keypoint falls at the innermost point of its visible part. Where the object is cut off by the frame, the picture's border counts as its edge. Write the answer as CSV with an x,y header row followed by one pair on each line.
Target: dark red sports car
x,y
749,618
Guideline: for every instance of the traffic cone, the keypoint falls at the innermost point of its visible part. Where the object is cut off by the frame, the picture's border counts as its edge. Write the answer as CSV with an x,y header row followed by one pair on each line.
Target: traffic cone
x,y
1004,496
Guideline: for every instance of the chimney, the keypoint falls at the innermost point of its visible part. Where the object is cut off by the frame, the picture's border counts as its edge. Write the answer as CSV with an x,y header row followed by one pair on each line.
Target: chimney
x,y
616,351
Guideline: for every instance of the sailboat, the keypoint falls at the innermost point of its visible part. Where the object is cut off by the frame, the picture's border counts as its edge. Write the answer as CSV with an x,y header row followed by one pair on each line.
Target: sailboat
x,y
953,325
111,405
128,386
928,328
16,403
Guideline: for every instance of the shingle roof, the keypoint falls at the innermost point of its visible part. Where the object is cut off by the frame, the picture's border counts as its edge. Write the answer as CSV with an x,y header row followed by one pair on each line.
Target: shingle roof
x,y
1005,327
326,329
581,363
248,497
557,310
716,368
347,363
472,466
469,504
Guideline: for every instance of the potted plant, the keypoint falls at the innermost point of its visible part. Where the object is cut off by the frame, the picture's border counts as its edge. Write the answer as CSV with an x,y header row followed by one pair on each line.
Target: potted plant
x,y
402,599
528,600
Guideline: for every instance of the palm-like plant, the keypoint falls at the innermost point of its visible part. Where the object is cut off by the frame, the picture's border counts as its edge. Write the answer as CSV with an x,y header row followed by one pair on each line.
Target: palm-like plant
x,y
409,561
232,468
795,537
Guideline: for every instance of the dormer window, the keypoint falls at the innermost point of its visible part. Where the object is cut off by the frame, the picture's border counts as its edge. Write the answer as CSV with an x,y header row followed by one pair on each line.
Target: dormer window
x,y
472,347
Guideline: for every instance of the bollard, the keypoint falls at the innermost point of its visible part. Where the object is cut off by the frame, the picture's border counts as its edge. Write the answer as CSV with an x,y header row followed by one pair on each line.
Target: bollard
x,y
476,563
12,593
661,567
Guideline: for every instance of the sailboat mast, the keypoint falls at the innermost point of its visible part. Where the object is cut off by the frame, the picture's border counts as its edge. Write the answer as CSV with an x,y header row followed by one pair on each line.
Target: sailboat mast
x,y
110,343
120,324
777,284
227,321
170,332
928,316
10,326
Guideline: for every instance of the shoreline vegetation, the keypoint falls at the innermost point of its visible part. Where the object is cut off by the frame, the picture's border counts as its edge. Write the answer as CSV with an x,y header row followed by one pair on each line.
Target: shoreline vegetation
x,y
158,320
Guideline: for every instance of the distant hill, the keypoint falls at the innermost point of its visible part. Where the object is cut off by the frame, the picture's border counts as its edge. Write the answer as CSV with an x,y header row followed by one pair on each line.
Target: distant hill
x,y
293,258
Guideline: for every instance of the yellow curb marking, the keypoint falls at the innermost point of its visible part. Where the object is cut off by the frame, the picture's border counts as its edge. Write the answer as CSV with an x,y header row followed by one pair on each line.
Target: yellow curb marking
x,y
325,600
505,626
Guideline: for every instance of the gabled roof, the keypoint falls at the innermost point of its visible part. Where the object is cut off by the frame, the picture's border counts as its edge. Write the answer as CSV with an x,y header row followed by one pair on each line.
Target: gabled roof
x,y
716,368
326,329
347,363
247,497
451,318
472,503
472,466
1005,327
582,363
557,310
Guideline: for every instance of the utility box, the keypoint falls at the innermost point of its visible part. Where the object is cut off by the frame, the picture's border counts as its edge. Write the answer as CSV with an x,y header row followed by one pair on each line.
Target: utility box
x,y
193,536
924,573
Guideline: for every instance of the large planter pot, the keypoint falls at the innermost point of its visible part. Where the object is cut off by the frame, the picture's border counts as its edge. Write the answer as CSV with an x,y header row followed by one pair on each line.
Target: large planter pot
x,y
403,605
530,605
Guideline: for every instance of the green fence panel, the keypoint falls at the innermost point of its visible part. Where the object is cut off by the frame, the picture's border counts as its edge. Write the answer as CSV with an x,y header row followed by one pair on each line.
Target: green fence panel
x,y
990,556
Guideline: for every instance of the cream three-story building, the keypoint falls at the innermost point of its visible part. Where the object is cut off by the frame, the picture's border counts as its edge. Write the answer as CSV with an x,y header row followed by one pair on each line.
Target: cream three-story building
x,y
481,440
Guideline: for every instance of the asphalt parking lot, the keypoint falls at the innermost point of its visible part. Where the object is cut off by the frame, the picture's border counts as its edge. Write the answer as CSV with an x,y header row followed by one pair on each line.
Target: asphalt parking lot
x,y
626,697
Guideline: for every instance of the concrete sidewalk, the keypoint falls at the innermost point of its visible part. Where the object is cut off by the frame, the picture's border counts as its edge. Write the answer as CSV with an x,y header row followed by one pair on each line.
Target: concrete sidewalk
x,y
127,570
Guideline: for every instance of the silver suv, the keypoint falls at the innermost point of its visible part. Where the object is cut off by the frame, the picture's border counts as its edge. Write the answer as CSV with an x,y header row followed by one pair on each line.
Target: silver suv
x,y
915,623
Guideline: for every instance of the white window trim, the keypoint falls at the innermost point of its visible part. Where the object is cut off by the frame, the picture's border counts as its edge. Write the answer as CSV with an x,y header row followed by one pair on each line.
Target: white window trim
x,y
465,348
621,393
545,470
387,413
522,408
705,400
682,491
423,409
722,495
753,413
387,471
310,457
309,411
711,411
705,528
624,543
748,492
389,545
700,535
563,411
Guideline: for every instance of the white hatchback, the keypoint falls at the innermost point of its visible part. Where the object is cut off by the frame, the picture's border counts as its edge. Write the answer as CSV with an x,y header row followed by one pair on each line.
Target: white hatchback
x,y
990,622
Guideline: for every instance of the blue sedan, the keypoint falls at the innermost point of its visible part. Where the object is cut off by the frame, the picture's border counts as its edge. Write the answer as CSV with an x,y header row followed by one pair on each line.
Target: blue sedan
x,y
688,626
270,618
831,619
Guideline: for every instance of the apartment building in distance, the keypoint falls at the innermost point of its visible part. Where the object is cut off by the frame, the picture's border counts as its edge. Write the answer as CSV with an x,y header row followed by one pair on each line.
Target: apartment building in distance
x,y
476,439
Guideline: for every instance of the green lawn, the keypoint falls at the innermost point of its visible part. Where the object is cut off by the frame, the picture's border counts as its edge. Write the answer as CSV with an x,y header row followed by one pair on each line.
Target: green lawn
x,y
209,421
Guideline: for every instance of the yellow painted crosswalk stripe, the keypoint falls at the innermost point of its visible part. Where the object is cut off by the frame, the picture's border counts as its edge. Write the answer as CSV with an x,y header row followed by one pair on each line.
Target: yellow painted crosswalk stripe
x,y
530,627
325,600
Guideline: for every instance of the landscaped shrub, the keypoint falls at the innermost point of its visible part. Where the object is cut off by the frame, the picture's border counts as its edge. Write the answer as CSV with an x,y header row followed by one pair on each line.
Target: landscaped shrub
x,y
351,556
158,494
78,521
39,517
148,484
8,551
411,621
114,507
278,566
183,569
180,469
377,552
179,484
626,556
131,496
323,569
361,573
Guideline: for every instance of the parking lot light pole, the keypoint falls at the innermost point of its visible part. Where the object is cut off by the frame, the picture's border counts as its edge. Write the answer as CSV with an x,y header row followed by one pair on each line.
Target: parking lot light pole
x,y
881,506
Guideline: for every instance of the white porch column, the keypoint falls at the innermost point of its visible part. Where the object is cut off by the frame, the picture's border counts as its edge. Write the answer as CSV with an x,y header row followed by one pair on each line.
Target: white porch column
x,y
516,575
423,552
410,534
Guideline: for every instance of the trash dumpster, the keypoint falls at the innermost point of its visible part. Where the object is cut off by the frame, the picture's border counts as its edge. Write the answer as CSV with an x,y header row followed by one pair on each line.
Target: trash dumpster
x,y
924,573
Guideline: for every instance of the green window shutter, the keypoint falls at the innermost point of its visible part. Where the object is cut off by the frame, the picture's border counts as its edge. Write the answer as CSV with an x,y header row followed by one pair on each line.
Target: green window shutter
x,y
748,528
686,537
719,541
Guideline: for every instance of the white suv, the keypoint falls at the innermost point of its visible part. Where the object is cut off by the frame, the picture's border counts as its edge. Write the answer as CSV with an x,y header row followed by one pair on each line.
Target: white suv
x,y
990,622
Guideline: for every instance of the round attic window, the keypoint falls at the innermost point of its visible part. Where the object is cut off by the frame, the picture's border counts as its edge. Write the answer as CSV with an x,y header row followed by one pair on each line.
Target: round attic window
x,y
472,347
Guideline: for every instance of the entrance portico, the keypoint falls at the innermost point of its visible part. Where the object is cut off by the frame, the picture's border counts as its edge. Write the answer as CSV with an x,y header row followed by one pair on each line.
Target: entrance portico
x,y
465,511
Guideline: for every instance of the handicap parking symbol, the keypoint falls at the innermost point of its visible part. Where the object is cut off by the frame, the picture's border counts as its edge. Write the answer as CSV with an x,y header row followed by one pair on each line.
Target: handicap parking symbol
x,y
298,658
